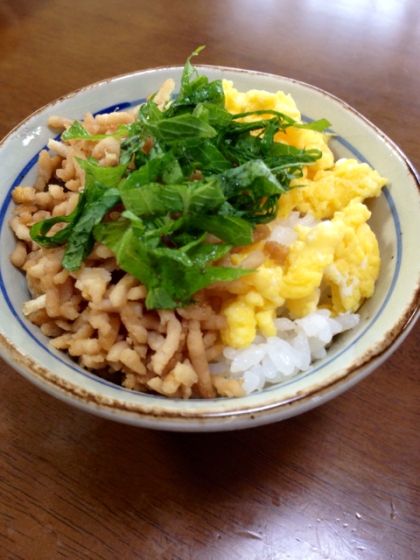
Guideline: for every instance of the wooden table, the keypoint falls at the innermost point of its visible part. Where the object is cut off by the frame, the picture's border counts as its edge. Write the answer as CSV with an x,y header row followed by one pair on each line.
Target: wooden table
x,y
340,482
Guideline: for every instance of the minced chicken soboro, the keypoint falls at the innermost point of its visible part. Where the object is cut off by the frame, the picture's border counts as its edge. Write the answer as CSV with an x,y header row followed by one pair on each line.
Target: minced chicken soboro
x,y
313,266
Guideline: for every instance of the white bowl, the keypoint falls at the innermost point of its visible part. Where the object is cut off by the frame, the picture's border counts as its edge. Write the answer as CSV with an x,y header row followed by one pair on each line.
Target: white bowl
x,y
385,319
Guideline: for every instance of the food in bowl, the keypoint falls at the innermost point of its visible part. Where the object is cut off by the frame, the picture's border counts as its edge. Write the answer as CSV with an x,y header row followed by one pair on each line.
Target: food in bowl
x,y
198,246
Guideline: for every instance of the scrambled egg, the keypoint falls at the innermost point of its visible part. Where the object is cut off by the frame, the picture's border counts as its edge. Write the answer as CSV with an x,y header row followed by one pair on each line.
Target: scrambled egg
x,y
332,189
254,100
333,264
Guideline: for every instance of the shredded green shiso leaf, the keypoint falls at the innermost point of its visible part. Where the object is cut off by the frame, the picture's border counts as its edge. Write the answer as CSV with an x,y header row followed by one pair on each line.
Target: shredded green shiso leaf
x,y
161,235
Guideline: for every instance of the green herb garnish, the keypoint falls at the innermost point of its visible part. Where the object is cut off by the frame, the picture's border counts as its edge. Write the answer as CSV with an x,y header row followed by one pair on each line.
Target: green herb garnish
x,y
161,237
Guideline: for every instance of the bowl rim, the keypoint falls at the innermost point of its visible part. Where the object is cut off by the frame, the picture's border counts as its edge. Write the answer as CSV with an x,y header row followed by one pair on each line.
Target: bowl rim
x,y
230,418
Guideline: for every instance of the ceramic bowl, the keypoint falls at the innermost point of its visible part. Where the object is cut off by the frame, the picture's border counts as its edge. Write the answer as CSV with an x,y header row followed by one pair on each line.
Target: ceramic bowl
x,y
385,319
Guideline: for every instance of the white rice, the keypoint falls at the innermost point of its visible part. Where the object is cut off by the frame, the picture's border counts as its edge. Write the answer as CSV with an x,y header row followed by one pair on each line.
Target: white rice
x,y
298,343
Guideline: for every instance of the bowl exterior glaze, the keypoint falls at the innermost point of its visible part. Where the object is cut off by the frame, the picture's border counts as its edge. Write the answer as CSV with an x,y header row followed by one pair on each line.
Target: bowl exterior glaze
x,y
385,319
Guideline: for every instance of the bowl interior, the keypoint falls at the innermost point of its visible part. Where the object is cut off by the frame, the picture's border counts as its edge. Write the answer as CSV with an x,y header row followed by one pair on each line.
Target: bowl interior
x,y
385,318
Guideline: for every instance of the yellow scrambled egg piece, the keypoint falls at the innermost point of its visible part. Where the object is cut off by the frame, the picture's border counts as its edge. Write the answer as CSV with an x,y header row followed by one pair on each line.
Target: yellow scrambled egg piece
x,y
308,140
343,253
255,309
332,189
255,100
340,253
355,269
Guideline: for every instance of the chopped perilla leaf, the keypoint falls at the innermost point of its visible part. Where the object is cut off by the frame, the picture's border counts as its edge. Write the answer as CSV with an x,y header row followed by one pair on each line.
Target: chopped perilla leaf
x,y
79,132
189,172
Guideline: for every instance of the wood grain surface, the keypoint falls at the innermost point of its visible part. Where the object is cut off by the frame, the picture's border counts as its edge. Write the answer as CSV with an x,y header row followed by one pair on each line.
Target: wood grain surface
x,y
339,482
